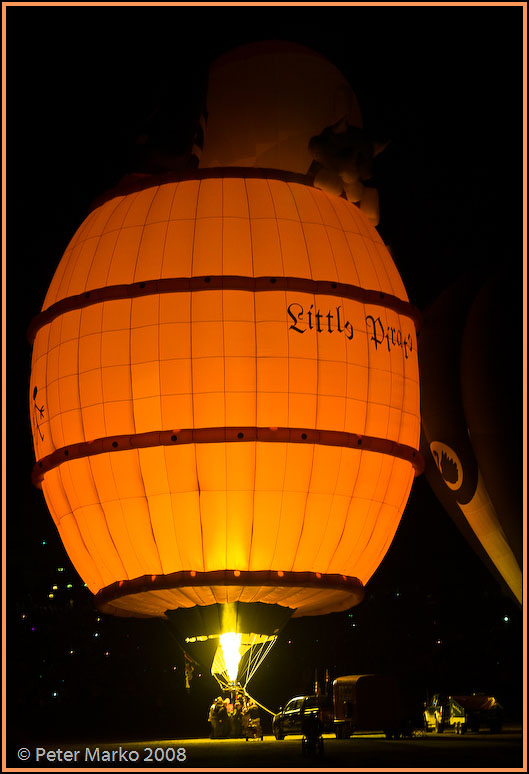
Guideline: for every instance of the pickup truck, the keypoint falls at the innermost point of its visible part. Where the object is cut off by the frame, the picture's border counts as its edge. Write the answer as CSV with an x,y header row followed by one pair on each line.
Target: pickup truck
x,y
463,712
290,719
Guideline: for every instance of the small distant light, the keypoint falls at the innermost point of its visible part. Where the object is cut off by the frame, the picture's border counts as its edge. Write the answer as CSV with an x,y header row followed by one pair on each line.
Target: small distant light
x,y
353,624
200,674
50,596
85,585
71,652
23,616
290,642
69,586
54,694
397,593
33,629
55,588
96,634
506,618
60,569
98,619
43,542
107,653
174,669
438,642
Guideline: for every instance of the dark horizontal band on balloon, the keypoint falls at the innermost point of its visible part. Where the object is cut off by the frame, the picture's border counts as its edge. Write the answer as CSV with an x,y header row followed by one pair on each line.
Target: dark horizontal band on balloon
x,y
222,282
140,182
226,435
230,578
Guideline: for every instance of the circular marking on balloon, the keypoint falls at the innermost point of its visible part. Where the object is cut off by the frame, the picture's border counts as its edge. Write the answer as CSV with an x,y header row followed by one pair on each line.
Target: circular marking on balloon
x,y
448,464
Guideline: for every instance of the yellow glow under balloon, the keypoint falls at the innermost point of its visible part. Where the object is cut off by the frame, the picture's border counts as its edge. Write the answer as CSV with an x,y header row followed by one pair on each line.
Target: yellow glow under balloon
x,y
231,645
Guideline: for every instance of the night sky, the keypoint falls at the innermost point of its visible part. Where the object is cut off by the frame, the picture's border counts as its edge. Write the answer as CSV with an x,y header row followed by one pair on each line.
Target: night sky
x,y
445,85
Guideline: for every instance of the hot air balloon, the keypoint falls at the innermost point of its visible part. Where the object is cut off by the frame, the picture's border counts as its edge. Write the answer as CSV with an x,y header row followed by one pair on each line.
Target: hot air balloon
x,y
224,387
471,415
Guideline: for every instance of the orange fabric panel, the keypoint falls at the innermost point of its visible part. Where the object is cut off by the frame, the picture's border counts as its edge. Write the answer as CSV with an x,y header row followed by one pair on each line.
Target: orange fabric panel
x,y
266,247
283,201
210,199
237,256
178,252
306,203
185,197
93,225
124,257
294,249
118,215
341,251
319,251
98,273
160,209
82,266
207,247
188,529
151,251
234,199
260,202
139,208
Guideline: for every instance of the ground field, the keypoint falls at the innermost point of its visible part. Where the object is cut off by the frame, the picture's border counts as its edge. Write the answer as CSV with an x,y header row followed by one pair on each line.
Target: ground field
x,y
447,751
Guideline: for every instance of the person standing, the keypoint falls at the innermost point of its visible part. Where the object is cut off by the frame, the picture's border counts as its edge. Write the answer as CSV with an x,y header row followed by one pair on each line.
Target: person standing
x,y
222,719
236,720
213,718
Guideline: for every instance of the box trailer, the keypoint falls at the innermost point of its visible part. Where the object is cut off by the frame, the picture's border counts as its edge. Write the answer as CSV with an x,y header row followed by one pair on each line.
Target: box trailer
x,y
368,703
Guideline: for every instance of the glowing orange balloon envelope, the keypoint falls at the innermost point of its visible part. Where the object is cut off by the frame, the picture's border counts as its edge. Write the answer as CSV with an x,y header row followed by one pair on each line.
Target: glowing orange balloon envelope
x,y
225,396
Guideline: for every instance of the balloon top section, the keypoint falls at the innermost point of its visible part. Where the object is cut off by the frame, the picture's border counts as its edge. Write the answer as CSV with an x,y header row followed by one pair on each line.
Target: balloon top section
x,y
266,100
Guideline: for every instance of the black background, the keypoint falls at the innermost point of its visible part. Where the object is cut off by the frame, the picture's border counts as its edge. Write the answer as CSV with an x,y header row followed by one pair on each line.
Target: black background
x,y
445,84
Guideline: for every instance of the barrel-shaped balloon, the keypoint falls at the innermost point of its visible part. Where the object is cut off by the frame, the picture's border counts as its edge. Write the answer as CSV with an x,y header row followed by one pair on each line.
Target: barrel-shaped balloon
x,y
225,395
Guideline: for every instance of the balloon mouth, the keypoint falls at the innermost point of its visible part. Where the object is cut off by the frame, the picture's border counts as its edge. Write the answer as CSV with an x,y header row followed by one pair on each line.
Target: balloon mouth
x,y
313,593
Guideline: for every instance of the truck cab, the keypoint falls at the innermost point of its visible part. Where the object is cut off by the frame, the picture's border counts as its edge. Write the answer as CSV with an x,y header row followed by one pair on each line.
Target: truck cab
x,y
463,712
290,719
444,712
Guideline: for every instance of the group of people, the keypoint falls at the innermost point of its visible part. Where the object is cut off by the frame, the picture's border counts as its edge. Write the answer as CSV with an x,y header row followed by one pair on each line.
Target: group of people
x,y
236,719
